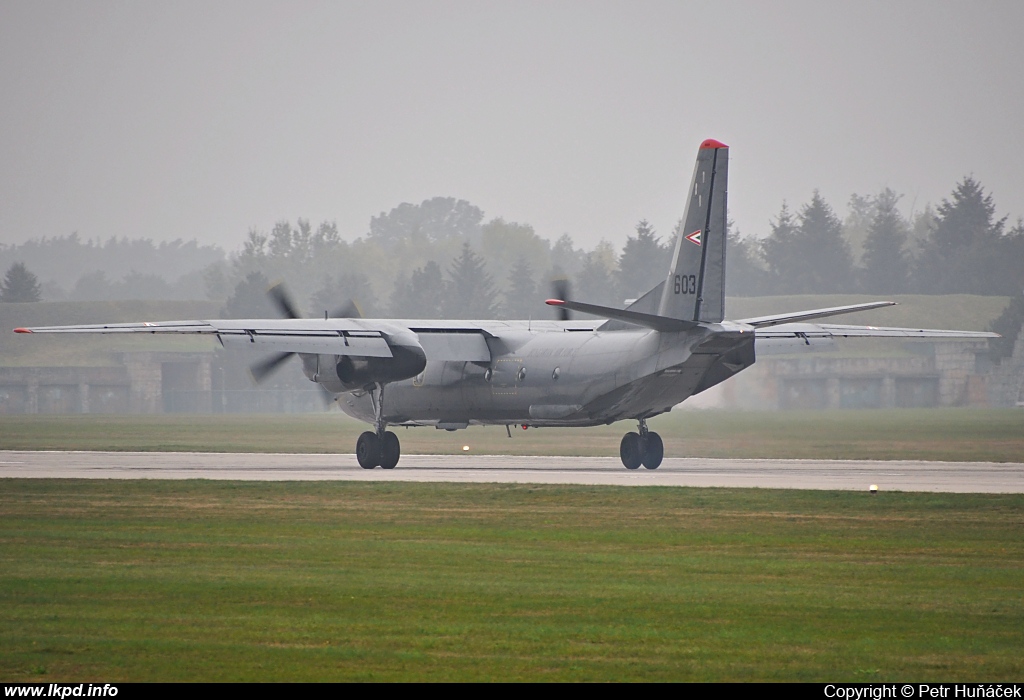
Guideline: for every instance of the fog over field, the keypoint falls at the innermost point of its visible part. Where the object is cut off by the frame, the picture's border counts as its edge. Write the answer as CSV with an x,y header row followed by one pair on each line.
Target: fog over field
x,y
192,120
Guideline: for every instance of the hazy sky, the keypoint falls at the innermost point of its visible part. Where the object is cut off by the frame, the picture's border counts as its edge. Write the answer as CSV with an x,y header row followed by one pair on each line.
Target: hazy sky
x,y
203,119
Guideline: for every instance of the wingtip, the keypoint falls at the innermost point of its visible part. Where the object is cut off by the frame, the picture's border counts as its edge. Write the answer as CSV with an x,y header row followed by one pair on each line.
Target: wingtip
x,y
22,330
712,143
554,302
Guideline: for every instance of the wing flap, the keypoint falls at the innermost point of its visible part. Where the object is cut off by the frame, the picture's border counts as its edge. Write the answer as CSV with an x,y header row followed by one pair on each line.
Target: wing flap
x,y
337,343
457,347
332,337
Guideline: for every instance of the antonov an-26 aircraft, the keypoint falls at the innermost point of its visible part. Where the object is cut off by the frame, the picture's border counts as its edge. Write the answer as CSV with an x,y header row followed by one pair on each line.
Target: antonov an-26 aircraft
x,y
631,364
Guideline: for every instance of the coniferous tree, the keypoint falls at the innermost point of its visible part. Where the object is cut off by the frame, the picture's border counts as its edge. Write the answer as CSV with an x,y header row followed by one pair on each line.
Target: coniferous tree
x,y
566,259
504,243
781,252
596,282
249,298
745,276
828,263
349,287
20,285
811,257
642,263
860,209
420,296
471,290
522,298
886,263
965,251
1008,326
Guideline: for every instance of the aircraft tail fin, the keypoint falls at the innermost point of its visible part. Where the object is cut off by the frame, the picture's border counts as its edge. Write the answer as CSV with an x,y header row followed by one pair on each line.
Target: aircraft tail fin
x,y
695,287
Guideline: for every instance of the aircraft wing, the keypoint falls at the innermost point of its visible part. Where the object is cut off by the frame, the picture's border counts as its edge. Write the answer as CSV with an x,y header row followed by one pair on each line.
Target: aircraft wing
x,y
332,337
826,330
457,341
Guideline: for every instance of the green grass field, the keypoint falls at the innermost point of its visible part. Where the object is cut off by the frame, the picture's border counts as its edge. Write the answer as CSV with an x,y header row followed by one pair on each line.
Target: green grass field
x,y
194,580
932,434
149,580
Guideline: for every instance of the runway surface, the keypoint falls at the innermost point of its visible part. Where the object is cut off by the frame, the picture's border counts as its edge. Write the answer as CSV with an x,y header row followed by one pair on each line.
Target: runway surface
x,y
958,477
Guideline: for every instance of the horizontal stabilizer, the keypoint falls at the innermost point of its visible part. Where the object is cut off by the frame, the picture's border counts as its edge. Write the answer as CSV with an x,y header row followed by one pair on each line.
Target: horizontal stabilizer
x,y
652,321
776,319
814,330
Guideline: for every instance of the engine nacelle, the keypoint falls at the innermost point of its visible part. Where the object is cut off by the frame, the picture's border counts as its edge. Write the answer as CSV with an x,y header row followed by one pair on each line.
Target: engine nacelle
x,y
340,373
358,372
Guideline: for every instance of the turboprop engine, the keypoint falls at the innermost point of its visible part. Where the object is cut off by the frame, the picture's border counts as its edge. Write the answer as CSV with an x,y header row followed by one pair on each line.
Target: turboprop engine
x,y
355,372
340,373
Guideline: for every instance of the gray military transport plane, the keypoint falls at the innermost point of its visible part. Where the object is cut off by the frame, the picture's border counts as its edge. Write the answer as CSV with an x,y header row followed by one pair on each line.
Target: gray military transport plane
x,y
633,363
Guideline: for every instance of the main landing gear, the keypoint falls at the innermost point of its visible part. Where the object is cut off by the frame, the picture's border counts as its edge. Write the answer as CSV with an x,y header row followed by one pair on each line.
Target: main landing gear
x,y
644,447
380,448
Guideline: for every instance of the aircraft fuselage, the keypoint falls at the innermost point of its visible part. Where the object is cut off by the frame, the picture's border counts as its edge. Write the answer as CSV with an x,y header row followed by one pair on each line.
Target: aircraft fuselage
x,y
569,376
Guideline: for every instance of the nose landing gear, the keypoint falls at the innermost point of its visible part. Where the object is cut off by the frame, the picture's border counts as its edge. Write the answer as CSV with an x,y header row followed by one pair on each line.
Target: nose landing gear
x,y
381,448
644,447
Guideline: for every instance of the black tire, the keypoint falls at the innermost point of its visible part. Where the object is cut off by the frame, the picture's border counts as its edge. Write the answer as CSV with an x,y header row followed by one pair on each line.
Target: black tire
x,y
390,451
368,450
654,451
630,451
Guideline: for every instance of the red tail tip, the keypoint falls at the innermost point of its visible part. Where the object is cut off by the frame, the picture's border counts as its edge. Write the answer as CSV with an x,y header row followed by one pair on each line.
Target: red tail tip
x,y
711,143
554,302
22,330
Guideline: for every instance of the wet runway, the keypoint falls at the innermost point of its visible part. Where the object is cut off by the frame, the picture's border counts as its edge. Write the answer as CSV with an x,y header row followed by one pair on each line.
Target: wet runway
x,y
959,477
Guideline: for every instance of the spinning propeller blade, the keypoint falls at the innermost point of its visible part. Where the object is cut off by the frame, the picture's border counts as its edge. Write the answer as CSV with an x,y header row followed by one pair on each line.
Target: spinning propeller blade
x,y
264,368
286,306
279,295
560,290
348,310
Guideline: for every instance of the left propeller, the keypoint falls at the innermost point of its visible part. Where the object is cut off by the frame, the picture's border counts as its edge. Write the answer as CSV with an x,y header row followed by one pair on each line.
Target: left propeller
x,y
561,290
283,301
287,308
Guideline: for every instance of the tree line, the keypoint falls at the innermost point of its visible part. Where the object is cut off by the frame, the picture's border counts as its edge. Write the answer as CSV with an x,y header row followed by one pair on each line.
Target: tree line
x,y
960,247
444,258
70,267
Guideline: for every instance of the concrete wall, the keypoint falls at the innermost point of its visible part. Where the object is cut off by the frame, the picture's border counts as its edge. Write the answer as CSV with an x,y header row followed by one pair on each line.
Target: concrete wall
x,y
1005,384
939,374
136,386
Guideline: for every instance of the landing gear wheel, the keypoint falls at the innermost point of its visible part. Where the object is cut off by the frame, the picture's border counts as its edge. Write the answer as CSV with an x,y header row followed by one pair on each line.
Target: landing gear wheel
x,y
390,451
654,451
368,450
630,450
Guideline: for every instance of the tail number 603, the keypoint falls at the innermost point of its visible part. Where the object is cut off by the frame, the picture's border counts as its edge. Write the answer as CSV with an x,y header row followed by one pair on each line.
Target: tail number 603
x,y
686,284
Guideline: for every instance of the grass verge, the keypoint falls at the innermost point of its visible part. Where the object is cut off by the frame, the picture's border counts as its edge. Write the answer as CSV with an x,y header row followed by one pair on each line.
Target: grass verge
x,y
928,434
151,581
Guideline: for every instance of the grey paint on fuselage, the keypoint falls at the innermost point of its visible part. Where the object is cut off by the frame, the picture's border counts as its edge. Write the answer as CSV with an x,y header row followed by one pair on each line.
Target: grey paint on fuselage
x,y
548,374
